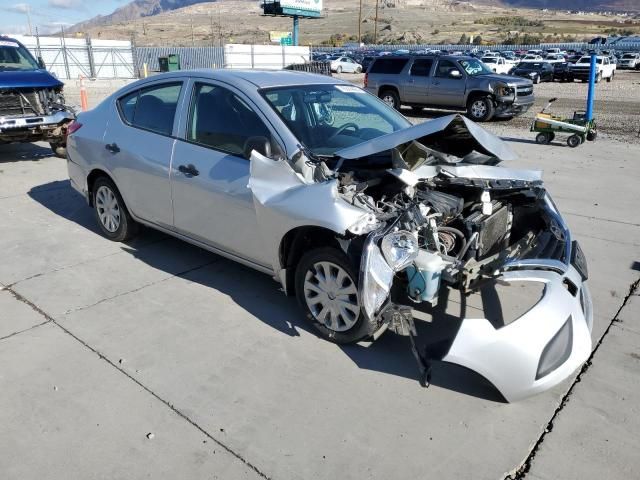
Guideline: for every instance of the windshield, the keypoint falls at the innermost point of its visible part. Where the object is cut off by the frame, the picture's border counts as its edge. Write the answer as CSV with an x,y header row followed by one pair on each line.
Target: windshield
x,y
628,55
14,56
490,60
475,67
327,118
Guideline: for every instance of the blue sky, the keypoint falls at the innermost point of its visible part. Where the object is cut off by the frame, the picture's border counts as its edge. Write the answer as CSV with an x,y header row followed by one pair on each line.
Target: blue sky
x,y
49,15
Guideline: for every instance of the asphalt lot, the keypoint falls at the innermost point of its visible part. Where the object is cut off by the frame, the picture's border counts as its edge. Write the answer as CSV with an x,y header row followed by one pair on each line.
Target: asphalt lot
x,y
157,359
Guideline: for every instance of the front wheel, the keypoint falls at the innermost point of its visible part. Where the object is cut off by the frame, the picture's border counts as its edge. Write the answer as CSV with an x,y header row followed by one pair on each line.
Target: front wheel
x,y
573,141
59,149
610,77
537,79
480,109
111,213
326,286
339,70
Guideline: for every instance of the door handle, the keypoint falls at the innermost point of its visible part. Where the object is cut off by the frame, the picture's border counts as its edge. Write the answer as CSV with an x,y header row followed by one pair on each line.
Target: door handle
x,y
112,147
189,170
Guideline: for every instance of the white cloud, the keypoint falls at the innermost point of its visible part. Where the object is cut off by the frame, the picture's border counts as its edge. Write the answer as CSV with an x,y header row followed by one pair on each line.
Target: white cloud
x,y
18,8
65,4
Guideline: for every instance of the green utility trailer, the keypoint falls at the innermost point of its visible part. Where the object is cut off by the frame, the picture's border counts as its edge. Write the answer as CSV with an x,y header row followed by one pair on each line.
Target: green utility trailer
x,y
578,128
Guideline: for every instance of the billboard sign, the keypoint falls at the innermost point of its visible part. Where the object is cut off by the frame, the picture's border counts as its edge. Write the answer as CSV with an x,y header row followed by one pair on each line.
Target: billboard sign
x,y
303,8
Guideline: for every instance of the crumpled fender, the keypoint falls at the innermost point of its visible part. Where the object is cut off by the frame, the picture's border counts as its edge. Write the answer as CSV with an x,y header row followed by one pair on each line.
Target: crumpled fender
x,y
284,201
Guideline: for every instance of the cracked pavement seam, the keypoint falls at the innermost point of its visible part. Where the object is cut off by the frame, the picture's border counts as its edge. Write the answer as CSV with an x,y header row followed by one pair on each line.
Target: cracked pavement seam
x,y
521,472
101,356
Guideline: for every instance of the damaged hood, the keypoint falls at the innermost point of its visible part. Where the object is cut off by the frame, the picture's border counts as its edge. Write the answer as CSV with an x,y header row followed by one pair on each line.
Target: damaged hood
x,y
454,135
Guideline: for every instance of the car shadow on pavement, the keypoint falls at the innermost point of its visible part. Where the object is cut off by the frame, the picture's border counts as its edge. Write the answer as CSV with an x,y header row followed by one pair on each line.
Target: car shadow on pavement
x,y
261,297
21,152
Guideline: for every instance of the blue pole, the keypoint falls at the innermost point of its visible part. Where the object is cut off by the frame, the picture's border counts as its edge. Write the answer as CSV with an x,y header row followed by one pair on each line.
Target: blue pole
x,y
592,87
296,25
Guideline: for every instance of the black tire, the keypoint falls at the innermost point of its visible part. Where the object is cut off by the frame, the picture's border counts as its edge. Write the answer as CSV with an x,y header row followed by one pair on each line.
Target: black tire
x,y
573,141
59,149
610,77
360,328
127,227
592,135
339,69
537,80
598,77
358,69
543,138
478,114
391,98
552,136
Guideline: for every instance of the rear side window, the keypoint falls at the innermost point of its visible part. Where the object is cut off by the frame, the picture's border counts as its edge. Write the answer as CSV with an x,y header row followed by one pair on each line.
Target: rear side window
x,y
152,108
388,65
421,67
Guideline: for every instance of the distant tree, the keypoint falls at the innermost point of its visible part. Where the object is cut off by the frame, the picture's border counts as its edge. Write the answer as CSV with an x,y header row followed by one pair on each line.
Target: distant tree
x,y
477,40
463,39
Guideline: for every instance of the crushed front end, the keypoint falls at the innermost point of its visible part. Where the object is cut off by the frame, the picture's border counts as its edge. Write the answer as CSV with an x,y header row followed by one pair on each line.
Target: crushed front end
x,y
448,220
32,105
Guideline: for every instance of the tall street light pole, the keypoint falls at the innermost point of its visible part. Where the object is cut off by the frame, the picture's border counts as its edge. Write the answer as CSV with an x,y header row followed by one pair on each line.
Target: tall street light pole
x,y
375,28
360,24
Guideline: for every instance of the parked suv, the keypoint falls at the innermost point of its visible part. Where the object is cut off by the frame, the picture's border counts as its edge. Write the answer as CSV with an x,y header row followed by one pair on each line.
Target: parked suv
x,y
32,107
449,82
604,69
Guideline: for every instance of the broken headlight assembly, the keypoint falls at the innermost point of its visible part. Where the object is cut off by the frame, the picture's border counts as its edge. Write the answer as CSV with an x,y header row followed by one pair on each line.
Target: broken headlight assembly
x,y
400,249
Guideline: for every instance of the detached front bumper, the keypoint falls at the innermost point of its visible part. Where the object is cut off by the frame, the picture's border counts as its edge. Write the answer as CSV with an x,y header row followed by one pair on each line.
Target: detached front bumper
x,y
538,350
533,353
514,107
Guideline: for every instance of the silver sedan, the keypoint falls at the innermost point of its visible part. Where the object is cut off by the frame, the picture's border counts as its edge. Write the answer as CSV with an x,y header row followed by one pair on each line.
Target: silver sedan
x,y
362,216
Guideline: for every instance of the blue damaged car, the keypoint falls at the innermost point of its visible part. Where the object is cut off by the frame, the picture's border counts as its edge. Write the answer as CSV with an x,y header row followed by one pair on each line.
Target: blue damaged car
x,y
32,105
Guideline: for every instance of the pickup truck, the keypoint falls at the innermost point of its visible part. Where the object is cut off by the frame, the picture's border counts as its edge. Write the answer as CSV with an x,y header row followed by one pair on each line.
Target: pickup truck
x,y
604,69
448,82
32,106
498,64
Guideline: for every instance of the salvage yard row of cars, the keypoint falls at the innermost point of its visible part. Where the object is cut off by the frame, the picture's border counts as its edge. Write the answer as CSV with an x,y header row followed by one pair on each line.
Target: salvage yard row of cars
x,y
359,214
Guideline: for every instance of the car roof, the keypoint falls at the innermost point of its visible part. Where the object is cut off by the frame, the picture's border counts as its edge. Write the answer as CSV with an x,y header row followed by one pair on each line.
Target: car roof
x,y
259,78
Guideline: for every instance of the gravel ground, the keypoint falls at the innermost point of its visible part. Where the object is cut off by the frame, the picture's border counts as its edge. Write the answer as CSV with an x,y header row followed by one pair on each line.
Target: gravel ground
x,y
617,107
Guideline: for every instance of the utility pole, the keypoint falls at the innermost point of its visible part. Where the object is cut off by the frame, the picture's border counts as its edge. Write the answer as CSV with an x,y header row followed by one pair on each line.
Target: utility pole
x,y
28,8
360,24
375,28
211,28
193,44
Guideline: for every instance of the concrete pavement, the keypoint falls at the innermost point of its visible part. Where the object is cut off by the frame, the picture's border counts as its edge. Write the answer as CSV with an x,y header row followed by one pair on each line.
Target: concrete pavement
x,y
157,336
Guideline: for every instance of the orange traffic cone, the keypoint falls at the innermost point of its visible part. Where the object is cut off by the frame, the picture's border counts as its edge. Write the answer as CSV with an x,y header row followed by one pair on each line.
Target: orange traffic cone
x,y
84,103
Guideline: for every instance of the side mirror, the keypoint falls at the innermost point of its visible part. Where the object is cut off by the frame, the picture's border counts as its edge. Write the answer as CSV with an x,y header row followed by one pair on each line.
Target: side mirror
x,y
453,73
262,145
41,64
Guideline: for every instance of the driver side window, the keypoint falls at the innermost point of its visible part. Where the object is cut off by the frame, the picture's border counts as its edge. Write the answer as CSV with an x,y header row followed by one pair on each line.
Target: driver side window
x,y
221,120
444,68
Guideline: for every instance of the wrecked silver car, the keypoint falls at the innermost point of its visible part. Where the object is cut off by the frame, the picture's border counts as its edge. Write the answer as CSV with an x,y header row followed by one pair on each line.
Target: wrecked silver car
x,y
362,216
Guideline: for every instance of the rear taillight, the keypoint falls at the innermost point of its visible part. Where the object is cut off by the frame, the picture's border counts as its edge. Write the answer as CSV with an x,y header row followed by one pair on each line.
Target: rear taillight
x,y
73,127
366,80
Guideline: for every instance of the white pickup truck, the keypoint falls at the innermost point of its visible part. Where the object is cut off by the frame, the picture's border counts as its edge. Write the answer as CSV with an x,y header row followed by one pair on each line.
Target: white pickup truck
x,y
498,64
605,69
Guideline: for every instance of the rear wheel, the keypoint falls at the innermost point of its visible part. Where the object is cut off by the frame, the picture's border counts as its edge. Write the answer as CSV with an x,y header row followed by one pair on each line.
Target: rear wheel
x,y
610,77
573,141
327,290
359,70
339,70
111,213
391,98
480,109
